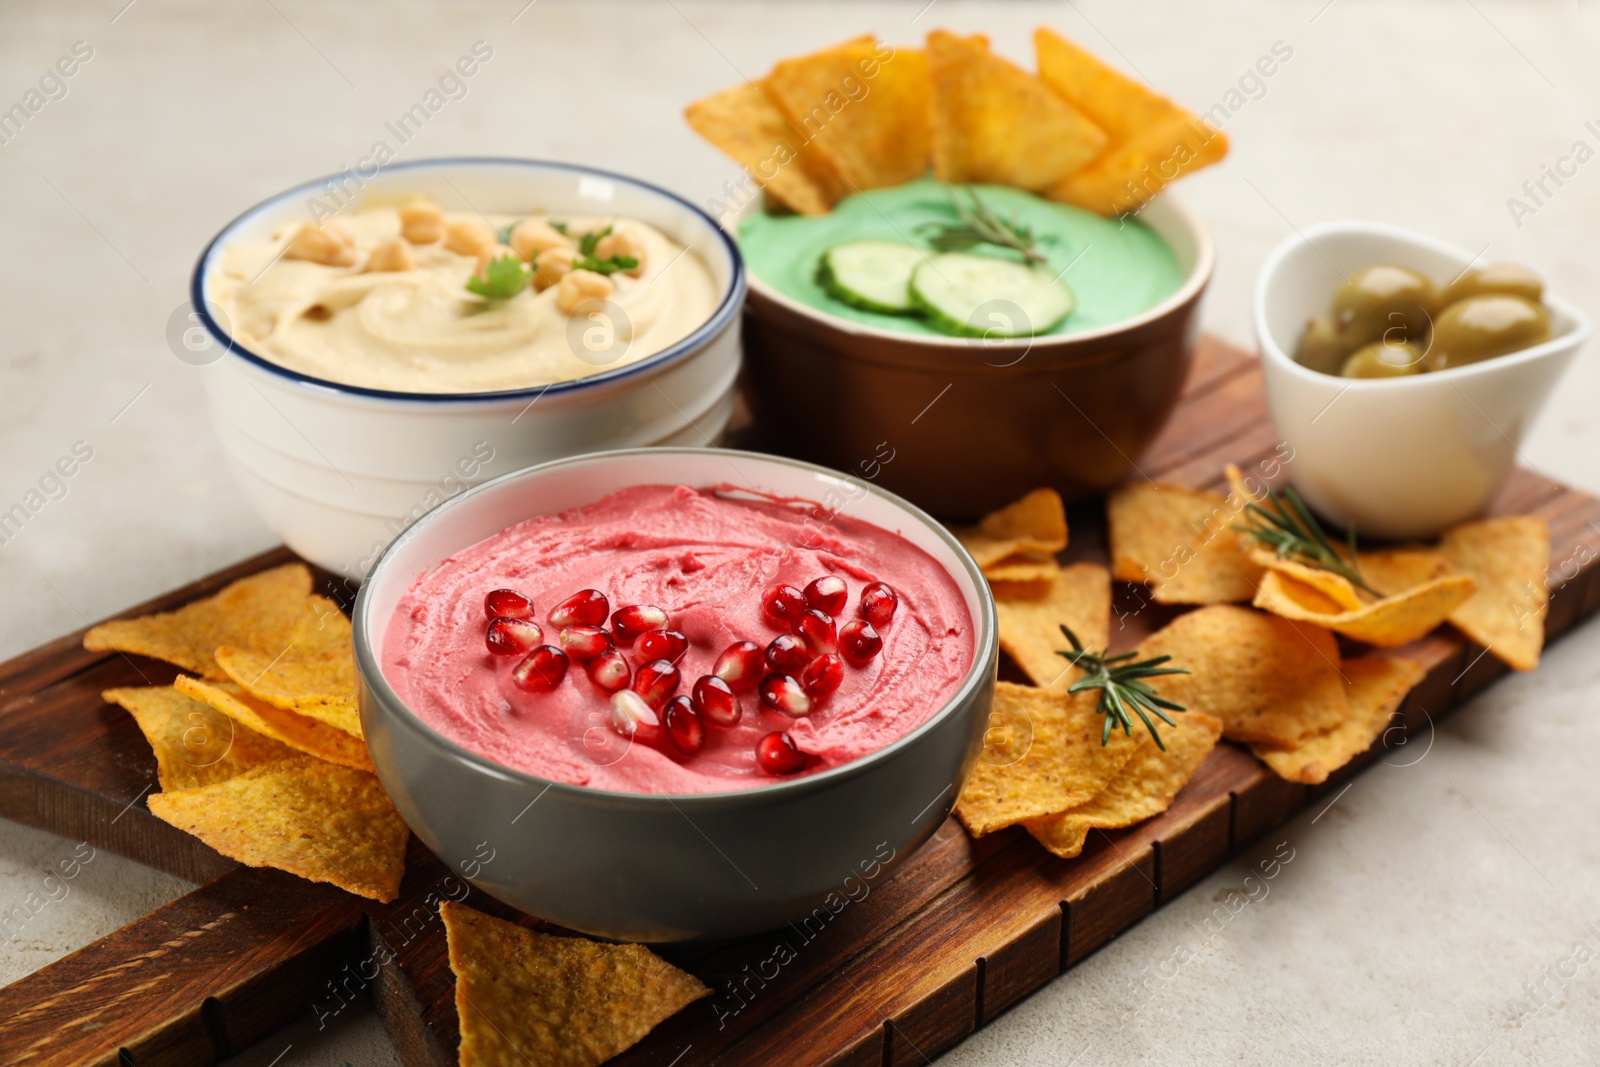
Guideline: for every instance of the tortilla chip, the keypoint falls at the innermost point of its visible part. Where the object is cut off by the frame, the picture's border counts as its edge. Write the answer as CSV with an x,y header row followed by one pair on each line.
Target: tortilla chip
x,y
1042,755
1181,542
1395,570
994,122
746,124
1508,558
1144,788
1131,174
525,997
255,612
1334,590
1022,569
1271,681
1030,629
1376,686
297,731
864,107
1035,524
301,815
195,745
1387,623
1118,104
313,675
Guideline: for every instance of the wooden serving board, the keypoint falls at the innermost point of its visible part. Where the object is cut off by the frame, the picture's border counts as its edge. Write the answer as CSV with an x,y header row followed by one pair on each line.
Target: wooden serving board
x,y
960,933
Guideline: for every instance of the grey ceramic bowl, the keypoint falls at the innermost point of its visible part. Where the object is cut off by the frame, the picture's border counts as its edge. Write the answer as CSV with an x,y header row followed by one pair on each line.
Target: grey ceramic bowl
x,y
644,867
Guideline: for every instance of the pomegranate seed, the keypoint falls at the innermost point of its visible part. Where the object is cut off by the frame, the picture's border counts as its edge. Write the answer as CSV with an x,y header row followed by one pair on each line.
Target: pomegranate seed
x,y
542,671
778,754
684,726
656,681
787,654
584,643
629,622
739,665
714,700
512,637
507,603
859,642
634,718
783,694
822,676
610,671
818,632
669,645
587,607
828,594
878,603
783,605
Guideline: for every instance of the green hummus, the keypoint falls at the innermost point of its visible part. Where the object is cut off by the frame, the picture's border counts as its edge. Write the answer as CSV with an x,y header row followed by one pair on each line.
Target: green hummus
x,y
1117,267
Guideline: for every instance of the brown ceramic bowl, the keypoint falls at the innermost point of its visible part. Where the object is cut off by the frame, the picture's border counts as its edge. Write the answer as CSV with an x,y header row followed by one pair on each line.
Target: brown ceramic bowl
x,y
961,426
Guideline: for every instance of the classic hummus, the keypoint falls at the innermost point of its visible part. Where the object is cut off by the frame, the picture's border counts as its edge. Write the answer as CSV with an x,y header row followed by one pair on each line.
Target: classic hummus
x,y
363,300
705,556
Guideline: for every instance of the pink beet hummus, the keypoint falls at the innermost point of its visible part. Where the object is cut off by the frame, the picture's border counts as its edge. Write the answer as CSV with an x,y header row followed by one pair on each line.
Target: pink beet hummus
x,y
705,556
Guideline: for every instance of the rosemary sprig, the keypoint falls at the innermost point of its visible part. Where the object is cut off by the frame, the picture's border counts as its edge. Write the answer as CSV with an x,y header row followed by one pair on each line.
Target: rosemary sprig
x,y
980,225
1122,687
1287,526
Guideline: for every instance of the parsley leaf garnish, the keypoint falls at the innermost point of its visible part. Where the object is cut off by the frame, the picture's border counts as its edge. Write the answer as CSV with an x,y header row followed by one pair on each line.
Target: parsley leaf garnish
x,y
609,265
502,279
558,225
587,242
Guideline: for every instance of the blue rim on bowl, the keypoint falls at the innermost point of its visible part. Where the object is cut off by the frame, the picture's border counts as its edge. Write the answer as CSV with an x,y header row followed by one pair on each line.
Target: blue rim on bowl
x,y
732,300
985,650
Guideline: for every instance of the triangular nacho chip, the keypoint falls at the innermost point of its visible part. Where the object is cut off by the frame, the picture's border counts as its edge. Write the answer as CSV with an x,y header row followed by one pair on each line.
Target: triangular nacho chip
x,y
1143,788
255,612
301,815
195,744
1022,568
1376,686
1387,623
746,124
1508,557
1392,571
297,731
1035,524
1030,629
1042,755
1270,680
863,106
314,674
994,122
1181,542
525,997
1152,141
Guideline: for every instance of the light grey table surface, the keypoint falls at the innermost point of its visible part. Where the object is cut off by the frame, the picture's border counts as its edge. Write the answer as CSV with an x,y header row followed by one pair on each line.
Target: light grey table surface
x,y
1441,910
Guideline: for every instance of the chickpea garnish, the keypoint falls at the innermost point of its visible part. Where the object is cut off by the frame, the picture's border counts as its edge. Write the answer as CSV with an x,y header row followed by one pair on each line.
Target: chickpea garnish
x,y
421,222
532,236
578,287
469,237
329,244
623,242
392,255
552,265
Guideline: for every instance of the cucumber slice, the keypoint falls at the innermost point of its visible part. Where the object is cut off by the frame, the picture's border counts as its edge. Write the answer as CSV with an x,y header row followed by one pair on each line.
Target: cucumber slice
x,y
986,296
871,275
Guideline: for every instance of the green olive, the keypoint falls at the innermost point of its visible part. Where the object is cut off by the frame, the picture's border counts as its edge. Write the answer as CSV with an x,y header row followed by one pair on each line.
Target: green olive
x,y
1508,279
1381,360
1384,303
1483,327
1321,347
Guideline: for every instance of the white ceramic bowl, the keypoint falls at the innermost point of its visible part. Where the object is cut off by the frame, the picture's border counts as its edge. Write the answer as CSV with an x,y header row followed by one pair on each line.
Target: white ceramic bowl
x,y
338,471
1398,457
655,867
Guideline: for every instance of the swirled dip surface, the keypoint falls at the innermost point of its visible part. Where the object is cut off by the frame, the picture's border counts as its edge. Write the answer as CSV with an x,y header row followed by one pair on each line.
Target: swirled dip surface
x,y
421,331
705,557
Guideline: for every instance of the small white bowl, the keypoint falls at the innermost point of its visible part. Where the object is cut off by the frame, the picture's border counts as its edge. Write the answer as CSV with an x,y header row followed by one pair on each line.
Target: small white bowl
x,y
1398,457
338,471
